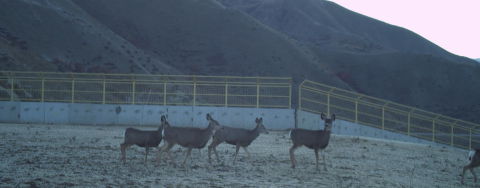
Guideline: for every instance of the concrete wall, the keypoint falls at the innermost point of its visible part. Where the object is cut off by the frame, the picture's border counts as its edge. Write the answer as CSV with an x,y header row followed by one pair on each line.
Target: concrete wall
x,y
136,115
186,116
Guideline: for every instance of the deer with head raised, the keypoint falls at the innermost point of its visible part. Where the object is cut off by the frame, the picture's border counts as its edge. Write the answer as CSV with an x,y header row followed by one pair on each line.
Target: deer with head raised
x,y
145,139
236,136
188,137
316,140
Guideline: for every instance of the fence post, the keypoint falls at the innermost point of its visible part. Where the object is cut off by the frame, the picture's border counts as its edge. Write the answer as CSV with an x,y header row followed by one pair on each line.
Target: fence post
x,y
104,88
258,91
194,90
470,140
290,94
356,108
408,123
300,95
43,87
11,85
226,91
451,144
164,90
383,114
133,89
433,128
328,101
73,87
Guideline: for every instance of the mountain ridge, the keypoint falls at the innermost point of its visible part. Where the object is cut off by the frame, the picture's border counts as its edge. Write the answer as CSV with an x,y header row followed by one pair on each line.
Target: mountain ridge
x,y
312,39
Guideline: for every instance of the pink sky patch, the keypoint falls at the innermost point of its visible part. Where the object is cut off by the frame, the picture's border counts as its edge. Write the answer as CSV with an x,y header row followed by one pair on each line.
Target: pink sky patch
x,y
452,25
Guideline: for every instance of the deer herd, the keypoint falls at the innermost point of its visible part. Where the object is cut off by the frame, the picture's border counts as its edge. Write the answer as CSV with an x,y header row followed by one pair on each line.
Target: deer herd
x,y
197,138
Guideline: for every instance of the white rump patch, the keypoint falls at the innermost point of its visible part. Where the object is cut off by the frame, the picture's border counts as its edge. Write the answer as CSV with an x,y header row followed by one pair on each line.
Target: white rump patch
x,y
290,134
470,155
163,132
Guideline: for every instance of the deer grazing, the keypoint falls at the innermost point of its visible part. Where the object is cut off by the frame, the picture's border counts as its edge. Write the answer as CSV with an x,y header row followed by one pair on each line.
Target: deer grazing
x,y
188,137
316,140
145,139
236,136
474,157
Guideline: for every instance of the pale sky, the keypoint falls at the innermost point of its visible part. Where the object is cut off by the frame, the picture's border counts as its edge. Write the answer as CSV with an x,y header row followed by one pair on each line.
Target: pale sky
x,y
452,25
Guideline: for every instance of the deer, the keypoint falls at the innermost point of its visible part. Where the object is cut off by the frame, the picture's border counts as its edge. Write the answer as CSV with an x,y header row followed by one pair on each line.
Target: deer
x,y
188,137
236,136
474,157
144,139
316,140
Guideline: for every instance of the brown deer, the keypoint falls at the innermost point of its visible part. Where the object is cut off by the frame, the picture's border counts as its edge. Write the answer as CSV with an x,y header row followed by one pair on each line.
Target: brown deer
x,y
236,136
188,137
316,140
474,157
145,139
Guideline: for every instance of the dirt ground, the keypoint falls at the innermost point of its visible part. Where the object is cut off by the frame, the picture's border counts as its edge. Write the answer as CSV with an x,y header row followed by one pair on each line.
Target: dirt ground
x,y
79,156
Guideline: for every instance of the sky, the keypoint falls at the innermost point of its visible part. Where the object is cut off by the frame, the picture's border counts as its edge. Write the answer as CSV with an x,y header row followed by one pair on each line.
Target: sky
x,y
452,25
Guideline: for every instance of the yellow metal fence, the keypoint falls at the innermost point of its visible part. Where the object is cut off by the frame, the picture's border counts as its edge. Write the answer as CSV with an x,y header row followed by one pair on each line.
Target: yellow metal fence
x,y
225,91
317,98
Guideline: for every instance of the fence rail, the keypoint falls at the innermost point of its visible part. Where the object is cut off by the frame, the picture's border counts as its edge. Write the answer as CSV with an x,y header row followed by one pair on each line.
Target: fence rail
x,y
227,91
317,98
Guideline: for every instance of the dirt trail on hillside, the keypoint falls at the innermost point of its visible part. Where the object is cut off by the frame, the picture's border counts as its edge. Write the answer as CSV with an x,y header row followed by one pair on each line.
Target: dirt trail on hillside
x,y
78,156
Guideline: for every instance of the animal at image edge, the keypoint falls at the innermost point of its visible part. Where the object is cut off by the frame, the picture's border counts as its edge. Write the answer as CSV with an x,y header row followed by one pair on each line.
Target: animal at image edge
x,y
316,140
145,139
236,136
474,157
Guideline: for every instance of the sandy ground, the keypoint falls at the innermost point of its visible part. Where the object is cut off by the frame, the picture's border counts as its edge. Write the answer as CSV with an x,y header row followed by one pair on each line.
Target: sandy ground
x,y
79,156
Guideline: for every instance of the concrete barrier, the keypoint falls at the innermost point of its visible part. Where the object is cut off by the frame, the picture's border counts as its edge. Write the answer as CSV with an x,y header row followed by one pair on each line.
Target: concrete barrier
x,y
184,116
32,112
10,112
56,113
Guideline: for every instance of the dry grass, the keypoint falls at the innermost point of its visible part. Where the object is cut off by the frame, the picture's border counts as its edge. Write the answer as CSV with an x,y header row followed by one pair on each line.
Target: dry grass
x,y
78,156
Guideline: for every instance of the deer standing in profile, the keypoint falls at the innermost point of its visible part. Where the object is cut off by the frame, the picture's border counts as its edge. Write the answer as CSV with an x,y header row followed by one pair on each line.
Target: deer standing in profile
x,y
236,136
145,139
316,140
188,137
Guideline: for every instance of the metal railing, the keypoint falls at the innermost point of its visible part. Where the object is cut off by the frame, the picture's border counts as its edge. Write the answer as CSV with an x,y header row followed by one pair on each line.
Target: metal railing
x,y
317,98
227,91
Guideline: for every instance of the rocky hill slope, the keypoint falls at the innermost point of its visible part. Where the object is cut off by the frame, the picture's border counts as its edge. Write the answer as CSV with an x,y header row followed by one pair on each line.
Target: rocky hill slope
x,y
312,39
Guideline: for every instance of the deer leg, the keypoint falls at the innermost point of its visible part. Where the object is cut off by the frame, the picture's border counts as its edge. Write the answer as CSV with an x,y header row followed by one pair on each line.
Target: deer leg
x,y
214,147
474,175
292,155
248,153
160,150
463,173
158,158
316,157
203,157
146,154
123,148
236,152
170,155
189,150
323,158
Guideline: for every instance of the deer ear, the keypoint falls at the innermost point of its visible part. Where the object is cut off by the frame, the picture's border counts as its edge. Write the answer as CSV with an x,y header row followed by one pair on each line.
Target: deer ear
x,y
333,117
208,117
260,120
163,118
322,116
256,120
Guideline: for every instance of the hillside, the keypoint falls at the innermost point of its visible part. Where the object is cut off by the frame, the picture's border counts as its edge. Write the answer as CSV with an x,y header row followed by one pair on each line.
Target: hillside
x,y
312,39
